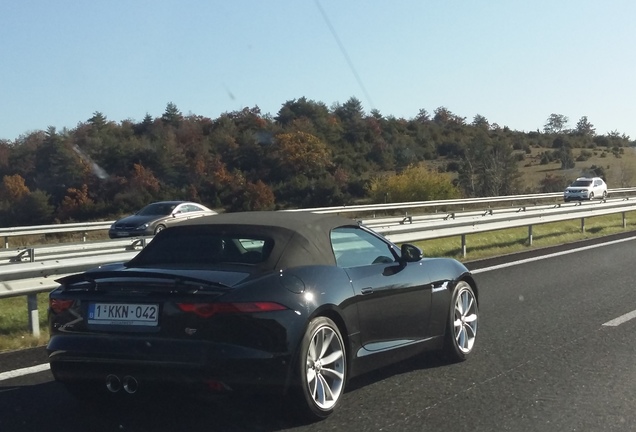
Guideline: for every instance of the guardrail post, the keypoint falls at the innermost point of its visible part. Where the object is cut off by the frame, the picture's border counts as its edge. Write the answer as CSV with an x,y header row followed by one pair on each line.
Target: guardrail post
x,y
583,225
34,316
84,235
529,235
624,221
464,245
6,242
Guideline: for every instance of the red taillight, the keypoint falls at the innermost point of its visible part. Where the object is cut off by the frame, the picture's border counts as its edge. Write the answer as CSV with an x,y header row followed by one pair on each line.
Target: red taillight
x,y
58,305
206,310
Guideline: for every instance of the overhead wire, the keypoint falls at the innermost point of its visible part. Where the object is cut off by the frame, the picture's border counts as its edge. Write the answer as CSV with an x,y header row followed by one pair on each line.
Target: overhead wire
x,y
345,54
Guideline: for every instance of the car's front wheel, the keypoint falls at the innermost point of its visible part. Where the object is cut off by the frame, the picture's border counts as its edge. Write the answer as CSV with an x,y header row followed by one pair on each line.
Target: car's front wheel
x,y
323,367
159,229
591,196
461,329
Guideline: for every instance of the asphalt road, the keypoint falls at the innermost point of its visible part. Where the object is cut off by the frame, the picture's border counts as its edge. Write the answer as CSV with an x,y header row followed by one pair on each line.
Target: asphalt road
x,y
545,361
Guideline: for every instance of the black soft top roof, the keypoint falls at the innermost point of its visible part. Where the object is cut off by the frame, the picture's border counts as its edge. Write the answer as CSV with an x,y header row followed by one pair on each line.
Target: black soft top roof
x,y
300,238
293,220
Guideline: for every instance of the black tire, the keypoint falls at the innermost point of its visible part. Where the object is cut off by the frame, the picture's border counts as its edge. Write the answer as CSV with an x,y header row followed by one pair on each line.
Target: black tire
x,y
604,195
322,369
159,228
461,326
591,196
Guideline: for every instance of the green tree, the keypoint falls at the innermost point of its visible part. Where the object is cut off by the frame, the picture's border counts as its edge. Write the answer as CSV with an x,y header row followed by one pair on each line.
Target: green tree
x,y
58,167
481,122
489,168
98,120
172,116
351,116
33,208
564,153
444,117
556,123
584,127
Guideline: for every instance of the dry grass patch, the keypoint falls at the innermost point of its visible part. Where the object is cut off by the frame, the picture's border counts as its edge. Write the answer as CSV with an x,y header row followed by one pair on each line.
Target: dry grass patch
x,y
620,171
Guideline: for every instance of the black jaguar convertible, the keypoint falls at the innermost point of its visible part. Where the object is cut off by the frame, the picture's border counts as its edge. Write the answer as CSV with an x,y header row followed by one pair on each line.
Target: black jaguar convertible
x,y
292,302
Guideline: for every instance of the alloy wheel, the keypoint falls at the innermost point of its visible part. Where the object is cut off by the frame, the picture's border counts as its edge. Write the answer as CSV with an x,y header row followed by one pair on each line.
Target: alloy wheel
x,y
325,367
466,317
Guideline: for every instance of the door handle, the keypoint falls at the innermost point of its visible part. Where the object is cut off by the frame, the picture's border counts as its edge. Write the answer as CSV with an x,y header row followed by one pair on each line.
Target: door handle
x,y
367,290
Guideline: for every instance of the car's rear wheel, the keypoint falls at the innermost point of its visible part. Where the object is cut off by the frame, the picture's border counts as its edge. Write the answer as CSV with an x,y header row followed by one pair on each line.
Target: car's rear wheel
x,y
461,329
159,229
323,367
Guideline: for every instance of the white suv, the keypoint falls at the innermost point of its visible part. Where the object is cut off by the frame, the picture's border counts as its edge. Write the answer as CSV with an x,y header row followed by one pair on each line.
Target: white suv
x,y
586,188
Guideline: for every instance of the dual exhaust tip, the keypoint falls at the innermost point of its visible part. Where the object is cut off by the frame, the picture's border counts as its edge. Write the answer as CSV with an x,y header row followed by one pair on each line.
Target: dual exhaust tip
x,y
128,383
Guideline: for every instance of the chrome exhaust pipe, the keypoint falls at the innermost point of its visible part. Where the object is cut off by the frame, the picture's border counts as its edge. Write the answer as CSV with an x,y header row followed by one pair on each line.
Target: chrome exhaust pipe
x,y
113,384
130,384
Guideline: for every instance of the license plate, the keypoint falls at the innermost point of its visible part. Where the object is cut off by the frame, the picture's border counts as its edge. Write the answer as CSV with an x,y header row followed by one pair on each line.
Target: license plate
x,y
123,314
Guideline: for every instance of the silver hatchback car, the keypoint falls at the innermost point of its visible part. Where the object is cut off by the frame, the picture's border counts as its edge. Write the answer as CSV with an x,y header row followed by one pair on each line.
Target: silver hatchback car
x,y
586,188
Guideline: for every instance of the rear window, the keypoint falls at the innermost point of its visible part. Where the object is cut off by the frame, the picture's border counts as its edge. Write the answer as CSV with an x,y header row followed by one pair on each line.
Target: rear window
x,y
204,248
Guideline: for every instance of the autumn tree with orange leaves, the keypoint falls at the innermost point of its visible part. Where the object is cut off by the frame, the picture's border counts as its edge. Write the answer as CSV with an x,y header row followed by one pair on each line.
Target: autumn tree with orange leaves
x,y
75,205
13,188
300,153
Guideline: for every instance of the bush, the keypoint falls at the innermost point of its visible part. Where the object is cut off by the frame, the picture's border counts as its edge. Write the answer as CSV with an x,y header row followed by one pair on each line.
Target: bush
x,y
413,184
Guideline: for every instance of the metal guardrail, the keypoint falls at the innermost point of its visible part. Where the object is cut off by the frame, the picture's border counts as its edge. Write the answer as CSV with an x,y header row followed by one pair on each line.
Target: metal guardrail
x,y
493,221
466,202
33,277
69,250
53,229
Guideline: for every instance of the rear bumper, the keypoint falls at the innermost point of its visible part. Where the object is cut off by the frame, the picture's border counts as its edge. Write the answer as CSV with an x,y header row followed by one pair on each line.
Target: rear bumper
x,y
169,362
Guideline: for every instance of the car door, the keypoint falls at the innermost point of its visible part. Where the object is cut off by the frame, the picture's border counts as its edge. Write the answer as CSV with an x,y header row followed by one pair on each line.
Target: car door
x,y
598,188
393,298
178,214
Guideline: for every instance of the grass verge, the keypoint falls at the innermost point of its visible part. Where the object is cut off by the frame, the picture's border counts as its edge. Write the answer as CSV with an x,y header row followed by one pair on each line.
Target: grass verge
x,y
14,323
507,241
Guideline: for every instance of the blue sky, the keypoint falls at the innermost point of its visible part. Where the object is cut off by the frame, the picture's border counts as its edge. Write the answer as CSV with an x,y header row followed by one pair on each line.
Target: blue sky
x,y
514,62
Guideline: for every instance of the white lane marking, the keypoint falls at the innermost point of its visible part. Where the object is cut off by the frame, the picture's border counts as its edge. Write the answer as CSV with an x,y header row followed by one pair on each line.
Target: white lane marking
x,y
556,254
24,371
621,319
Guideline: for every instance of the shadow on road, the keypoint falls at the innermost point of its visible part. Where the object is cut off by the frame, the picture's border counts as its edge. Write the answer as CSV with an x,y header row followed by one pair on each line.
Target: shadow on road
x,y
48,407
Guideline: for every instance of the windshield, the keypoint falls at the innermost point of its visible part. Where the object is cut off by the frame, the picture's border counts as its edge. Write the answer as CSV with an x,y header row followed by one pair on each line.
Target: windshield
x,y
157,209
582,183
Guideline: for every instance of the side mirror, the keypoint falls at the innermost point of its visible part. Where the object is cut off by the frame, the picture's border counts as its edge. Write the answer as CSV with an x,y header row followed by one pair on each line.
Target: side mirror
x,y
410,253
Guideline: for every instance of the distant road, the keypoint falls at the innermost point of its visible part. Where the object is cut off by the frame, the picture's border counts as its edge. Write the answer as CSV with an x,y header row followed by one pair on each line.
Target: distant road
x,y
556,353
